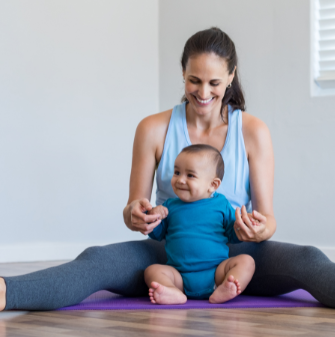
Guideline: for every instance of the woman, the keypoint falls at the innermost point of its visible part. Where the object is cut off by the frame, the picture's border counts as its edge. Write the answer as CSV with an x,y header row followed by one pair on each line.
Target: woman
x,y
211,114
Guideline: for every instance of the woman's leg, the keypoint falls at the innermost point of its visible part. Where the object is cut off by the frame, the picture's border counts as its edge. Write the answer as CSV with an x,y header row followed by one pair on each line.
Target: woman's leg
x,y
117,267
283,267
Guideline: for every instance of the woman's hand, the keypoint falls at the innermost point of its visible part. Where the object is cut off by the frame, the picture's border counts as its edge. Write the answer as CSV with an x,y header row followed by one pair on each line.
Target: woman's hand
x,y
140,221
249,227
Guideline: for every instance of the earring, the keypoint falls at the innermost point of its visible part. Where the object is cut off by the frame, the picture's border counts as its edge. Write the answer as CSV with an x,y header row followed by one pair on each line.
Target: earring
x,y
229,85
184,80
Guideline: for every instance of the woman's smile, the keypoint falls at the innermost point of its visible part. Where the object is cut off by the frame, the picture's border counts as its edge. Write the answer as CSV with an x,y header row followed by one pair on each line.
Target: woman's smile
x,y
203,102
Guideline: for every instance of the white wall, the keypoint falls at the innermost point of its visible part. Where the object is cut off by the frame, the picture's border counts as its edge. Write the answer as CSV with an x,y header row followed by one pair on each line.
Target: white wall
x,y
75,79
273,44
77,76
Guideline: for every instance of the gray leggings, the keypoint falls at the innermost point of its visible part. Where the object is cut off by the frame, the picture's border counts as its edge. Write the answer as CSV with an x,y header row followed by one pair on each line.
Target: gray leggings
x,y
280,268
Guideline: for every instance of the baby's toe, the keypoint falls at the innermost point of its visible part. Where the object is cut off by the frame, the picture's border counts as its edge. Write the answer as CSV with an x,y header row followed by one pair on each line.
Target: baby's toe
x,y
154,285
231,278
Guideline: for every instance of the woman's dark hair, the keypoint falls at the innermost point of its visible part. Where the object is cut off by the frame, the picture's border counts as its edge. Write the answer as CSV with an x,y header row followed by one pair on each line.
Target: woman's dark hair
x,y
210,150
214,40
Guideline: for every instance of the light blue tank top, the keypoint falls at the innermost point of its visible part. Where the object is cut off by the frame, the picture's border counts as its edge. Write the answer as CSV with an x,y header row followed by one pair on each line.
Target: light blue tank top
x,y
235,184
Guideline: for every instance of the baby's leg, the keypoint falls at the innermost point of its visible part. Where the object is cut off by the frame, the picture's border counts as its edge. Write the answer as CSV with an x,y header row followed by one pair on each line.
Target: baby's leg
x,y
232,276
165,284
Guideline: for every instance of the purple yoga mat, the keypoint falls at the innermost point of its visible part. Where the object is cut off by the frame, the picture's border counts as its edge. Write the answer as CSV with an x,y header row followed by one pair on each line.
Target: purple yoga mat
x,y
104,300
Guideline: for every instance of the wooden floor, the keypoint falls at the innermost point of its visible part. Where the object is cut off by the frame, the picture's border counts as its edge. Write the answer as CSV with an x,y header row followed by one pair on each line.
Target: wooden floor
x,y
216,322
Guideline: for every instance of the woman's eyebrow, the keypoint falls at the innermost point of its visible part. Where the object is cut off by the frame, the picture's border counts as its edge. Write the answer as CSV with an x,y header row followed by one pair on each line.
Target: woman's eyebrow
x,y
215,79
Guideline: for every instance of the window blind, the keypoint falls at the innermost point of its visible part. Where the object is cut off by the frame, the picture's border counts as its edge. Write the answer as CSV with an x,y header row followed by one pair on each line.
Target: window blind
x,y
325,43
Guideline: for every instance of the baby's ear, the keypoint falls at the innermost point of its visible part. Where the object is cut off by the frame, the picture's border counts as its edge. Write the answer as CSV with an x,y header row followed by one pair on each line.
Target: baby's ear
x,y
216,182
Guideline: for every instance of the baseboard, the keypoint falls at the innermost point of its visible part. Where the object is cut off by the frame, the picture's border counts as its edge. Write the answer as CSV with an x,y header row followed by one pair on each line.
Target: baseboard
x,y
53,251
329,251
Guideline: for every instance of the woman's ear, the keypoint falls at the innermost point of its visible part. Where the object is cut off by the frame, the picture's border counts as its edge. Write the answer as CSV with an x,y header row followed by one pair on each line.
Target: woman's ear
x,y
216,182
232,75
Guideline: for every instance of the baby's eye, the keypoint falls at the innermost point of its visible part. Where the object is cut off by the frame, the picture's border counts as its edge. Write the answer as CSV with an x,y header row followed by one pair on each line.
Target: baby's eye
x,y
190,175
176,173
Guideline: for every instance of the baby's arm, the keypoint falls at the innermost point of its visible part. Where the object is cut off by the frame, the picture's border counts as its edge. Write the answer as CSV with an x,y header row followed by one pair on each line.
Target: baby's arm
x,y
229,221
158,233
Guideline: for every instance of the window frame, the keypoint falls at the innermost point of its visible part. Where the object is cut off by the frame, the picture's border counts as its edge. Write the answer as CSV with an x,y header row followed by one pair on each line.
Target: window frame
x,y
318,86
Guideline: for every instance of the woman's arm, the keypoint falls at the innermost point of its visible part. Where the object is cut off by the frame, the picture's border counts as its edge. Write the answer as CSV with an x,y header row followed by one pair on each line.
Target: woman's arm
x,y
259,150
147,151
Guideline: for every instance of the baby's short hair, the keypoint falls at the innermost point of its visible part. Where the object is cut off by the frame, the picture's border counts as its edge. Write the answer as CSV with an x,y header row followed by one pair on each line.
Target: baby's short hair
x,y
210,150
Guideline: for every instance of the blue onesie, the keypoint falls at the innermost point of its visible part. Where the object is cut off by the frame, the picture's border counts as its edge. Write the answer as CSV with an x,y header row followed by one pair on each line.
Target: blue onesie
x,y
196,234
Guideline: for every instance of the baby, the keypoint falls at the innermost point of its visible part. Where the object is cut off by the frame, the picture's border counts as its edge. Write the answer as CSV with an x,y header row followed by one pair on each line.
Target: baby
x,y
197,226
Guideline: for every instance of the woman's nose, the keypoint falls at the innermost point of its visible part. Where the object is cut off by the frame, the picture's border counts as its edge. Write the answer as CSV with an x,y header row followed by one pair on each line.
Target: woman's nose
x,y
204,92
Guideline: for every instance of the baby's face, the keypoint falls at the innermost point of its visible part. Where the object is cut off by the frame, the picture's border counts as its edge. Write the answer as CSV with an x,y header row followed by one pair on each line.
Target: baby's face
x,y
194,177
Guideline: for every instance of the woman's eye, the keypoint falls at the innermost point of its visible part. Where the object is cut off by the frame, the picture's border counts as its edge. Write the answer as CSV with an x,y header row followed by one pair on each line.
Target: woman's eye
x,y
197,82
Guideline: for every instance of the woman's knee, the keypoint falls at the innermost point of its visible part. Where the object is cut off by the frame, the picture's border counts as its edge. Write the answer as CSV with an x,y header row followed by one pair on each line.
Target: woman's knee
x,y
92,253
310,253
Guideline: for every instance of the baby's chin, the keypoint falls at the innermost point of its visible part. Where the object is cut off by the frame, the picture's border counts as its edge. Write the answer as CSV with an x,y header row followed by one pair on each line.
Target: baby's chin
x,y
186,197
183,195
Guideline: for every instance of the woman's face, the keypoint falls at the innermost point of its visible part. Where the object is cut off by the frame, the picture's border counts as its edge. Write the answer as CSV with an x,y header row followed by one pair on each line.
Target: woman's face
x,y
206,79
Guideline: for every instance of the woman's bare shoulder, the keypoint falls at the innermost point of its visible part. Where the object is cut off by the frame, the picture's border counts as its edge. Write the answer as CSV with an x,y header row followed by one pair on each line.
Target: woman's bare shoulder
x,y
157,121
151,131
255,132
253,127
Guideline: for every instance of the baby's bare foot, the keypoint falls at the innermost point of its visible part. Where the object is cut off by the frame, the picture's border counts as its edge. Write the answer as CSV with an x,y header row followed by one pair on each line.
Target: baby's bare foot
x,y
226,291
2,294
166,295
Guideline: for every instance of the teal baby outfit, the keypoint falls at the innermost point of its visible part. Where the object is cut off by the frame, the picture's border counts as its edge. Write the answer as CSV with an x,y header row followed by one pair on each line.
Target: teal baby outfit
x,y
196,236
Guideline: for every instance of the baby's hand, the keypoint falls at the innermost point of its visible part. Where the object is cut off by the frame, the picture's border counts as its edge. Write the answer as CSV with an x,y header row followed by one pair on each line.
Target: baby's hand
x,y
254,221
160,210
